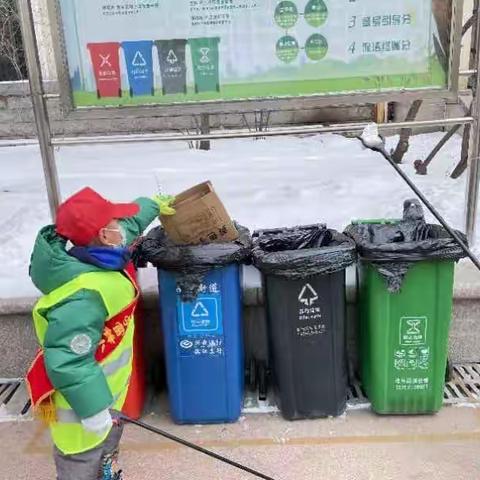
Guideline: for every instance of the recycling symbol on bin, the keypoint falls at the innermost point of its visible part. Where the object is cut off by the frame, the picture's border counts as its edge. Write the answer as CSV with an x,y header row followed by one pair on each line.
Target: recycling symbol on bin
x,y
200,310
204,51
308,296
139,60
171,57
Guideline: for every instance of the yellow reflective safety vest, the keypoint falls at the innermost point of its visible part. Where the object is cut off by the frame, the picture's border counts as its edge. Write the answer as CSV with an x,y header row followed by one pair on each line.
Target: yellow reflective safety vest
x,y
114,353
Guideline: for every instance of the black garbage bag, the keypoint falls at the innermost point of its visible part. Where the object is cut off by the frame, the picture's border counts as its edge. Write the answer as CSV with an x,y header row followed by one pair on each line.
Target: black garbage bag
x,y
393,247
301,252
191,262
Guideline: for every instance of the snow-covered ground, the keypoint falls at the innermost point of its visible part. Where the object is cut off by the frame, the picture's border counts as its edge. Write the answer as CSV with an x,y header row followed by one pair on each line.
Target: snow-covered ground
x,y
264,183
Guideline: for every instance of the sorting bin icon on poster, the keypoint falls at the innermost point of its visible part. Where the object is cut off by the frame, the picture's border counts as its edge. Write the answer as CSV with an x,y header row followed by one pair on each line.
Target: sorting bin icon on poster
x,y
205,60
106,68
139,61
171,56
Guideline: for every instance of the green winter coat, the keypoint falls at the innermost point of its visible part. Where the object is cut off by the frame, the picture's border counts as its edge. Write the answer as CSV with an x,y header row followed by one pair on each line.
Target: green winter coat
x,y
78,378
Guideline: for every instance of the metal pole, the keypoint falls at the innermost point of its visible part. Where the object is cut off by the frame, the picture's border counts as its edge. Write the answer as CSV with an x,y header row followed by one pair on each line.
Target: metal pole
x,y
473,178
205,130
18,143
430,207
278,132
161,137
185,443
421,167
39,104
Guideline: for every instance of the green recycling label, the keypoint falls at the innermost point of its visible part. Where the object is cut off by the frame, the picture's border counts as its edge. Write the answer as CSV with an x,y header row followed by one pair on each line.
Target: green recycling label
x,y
287,49
316,47
316,13
286,14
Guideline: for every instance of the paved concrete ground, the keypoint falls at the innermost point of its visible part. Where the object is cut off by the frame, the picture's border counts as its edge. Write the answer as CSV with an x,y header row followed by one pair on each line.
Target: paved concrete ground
x,y
357,446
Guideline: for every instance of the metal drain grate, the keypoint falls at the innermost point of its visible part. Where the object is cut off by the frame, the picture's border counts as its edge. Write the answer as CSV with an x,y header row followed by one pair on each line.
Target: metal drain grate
x,y
465,384
14,400
463,388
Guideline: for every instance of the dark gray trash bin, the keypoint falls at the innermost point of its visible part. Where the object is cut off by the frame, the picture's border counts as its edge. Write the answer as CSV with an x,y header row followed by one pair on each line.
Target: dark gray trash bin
x,y
173,68
304,274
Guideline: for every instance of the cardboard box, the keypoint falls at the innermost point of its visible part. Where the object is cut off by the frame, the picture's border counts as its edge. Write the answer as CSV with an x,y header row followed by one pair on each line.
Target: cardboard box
x,y
200,218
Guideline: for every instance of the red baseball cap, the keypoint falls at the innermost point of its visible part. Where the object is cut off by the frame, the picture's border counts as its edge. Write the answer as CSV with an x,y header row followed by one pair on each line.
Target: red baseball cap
x,y
85,213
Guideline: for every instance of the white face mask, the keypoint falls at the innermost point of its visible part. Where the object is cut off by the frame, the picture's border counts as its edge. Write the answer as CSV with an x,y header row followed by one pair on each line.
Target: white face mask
x,y
122,233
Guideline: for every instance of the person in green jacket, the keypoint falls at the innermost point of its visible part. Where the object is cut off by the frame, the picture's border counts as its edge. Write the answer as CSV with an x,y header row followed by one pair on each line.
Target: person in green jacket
x,y
84,324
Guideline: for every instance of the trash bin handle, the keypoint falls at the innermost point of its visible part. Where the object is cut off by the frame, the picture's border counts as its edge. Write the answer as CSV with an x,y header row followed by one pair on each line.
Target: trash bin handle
x,y
275,231
376,221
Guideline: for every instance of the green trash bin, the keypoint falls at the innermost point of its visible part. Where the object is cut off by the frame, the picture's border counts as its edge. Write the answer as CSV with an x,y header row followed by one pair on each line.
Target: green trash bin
x,y
205,60
405,278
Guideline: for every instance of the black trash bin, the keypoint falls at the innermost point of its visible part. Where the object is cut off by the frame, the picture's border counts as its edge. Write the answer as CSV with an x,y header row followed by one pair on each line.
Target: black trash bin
x,y
304,275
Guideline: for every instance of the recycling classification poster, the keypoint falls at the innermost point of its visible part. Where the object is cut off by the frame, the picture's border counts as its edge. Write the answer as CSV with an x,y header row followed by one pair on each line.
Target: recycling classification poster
x,y
124,52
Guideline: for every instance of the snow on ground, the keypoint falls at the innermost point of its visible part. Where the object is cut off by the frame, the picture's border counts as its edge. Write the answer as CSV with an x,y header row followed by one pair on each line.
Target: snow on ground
x,y
264,183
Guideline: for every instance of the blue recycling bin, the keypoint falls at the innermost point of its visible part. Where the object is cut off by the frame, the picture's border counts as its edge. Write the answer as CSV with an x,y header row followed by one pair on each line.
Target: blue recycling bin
x,y
139,61
204,347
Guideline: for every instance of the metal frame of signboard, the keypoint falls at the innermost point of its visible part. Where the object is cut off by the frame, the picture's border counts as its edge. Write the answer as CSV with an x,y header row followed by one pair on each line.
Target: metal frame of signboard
x,y
245,105
47,141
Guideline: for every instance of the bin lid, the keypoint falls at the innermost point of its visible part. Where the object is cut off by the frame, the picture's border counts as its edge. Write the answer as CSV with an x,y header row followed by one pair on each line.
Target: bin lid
x,y
302,252
392,245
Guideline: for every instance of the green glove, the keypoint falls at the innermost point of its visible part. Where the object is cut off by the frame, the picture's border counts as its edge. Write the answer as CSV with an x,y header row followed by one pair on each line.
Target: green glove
x,y
164,203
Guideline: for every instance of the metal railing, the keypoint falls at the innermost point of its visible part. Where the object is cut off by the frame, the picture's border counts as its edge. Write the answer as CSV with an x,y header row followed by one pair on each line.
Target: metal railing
x,y
47,142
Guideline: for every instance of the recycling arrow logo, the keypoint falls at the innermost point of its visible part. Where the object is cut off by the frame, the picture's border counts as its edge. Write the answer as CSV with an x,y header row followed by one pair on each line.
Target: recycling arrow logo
x,y
200,310
171,57
308,296
139,60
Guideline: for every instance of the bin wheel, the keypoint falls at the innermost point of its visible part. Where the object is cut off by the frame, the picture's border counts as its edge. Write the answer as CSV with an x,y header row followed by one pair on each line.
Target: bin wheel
x,y
131,91
218,87
98,94
262,381
120,93
163,90
252,374
196,89
153,91
185,89
449,371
